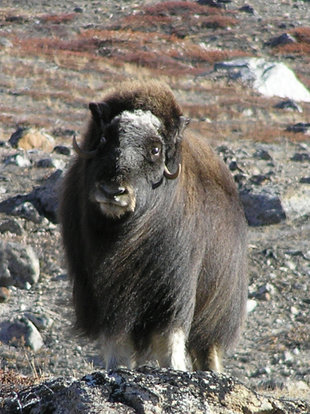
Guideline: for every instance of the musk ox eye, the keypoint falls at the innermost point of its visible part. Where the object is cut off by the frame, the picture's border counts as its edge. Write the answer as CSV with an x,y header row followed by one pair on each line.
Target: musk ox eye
x,y
155,152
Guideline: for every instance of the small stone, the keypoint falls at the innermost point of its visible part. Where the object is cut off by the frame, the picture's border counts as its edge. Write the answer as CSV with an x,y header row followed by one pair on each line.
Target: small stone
x,y
283,39
27,211
233,166
5,43
287,356
11,226
301,157
262,154
291,265
305,180
259,179
294,311
289,104
303,127
21,160
261,371
265,292
247,9
4,294
251,305
45,163
62,149
41,322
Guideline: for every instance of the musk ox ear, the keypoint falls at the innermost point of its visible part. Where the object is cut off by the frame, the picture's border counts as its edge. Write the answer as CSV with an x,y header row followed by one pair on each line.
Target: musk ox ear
x,y
100,111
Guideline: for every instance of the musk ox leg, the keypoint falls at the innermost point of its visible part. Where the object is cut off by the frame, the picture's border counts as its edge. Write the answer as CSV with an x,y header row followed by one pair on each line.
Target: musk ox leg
x,y
118,352
210,360
170,350
215,359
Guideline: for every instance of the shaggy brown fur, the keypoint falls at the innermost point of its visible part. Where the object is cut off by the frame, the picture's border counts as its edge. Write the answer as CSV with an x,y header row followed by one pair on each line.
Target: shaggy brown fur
x,y
158,266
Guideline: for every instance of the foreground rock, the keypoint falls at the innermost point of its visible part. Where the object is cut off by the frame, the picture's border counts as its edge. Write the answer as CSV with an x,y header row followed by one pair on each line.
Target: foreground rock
x,y
147,390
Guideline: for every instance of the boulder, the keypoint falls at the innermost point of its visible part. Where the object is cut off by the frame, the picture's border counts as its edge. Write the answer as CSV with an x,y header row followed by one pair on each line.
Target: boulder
x,y
268,78
149,391
41,202
262,207
19,265
30,138
20,333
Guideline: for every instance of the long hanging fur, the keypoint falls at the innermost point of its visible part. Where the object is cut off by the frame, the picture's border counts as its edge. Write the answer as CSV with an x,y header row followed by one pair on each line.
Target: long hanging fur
x,y
167,280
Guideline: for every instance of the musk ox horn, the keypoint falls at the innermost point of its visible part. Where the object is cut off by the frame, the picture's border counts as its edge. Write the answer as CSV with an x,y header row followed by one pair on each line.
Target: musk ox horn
x,y
172,176
86,155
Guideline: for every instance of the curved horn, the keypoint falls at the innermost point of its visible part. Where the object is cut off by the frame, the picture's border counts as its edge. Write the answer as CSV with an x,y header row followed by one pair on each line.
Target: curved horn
x,y
172,176
86,155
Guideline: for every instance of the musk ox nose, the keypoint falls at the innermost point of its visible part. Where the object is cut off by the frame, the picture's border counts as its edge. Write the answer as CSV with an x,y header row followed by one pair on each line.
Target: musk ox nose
x,y
111,190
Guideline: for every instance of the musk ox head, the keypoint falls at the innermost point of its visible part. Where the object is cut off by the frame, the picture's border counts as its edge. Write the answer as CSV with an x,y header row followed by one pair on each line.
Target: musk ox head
x,y
130,150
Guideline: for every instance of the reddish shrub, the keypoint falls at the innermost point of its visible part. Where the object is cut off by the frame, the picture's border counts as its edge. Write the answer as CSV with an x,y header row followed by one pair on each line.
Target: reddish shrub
x,y
216,22
302,34
294,48
179,8
58,18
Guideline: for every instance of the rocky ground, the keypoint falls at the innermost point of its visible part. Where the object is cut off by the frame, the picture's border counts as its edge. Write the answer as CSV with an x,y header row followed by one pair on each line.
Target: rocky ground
x,y
45,85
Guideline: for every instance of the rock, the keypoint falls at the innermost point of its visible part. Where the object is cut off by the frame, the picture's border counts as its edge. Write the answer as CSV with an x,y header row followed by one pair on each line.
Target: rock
x,y
247,9
40,321
288,104
27,211
20,333
305,180
262,154
29,138
303,127
264,292
19,265
262,208
12,226
301,157
4,294
283,39
212,3
45,198
21,160
42,201
5,43
251,305
268,78
147,391
50,163
62,149
296,201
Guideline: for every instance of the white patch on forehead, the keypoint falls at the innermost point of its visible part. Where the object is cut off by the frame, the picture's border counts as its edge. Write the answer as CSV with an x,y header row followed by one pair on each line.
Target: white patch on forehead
x,y
139,120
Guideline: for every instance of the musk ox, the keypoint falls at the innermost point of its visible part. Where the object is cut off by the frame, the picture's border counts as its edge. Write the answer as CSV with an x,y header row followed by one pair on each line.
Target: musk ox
x,y
154,235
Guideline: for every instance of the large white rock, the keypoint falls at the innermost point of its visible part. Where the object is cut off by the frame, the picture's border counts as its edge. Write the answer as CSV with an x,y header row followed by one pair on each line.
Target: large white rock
x,y
268,78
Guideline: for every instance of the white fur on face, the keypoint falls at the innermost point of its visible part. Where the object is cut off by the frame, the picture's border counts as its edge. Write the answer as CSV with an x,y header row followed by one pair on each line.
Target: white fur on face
x,y
139,121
